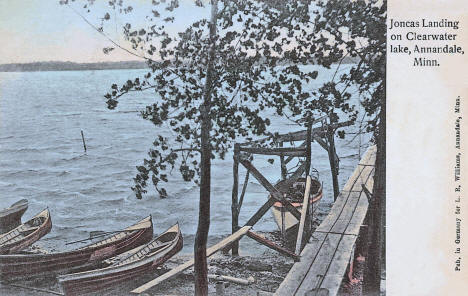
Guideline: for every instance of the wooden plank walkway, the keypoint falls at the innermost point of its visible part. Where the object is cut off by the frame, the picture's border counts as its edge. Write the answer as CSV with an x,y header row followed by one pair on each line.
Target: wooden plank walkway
x,y
326,256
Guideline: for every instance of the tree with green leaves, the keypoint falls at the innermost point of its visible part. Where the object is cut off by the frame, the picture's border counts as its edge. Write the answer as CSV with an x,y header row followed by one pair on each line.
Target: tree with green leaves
x,y
217,80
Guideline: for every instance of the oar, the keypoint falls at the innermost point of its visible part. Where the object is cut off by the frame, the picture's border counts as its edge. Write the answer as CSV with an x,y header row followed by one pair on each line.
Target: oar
x,y
100,233
95,234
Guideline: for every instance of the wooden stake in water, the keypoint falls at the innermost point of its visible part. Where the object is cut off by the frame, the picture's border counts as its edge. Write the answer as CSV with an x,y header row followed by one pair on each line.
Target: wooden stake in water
x,y
84,144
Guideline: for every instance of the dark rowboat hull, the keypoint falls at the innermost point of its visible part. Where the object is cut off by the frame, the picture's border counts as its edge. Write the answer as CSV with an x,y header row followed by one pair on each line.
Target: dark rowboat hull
x,y
36,265
125,267
26,234
11,216
290,222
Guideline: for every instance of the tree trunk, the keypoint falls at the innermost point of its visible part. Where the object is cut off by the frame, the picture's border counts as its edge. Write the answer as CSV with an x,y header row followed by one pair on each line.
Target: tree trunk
x,y
201,238
376,231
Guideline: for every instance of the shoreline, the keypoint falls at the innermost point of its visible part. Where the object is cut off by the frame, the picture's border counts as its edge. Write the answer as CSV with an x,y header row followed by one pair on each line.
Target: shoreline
x,y
268,270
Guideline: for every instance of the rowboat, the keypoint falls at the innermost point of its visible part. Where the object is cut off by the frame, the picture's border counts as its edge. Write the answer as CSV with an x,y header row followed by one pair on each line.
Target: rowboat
x,y
26,234
124,267
34,265
294,193
11,217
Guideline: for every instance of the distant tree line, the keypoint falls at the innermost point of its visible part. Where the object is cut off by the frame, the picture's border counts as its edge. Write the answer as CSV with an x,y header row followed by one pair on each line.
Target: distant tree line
x,y
71,66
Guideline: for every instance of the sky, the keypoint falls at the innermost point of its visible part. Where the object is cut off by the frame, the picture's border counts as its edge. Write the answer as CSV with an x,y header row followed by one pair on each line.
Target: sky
x,y
44,30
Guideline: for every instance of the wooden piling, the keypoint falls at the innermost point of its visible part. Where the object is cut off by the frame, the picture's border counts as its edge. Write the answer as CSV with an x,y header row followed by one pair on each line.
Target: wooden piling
x,y
283,165
84,143
308,148
235,205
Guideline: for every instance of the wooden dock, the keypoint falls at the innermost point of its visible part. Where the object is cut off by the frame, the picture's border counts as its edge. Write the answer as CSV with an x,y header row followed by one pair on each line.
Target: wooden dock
x,y
325,257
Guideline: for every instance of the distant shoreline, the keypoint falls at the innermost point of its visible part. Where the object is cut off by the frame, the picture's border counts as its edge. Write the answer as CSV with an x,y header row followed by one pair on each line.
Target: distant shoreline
x,y
70,66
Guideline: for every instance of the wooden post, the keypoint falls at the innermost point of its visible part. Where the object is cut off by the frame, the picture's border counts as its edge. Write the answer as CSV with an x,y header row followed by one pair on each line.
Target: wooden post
x,y
234,205
283,165
308,148
333,161
305,207
84,143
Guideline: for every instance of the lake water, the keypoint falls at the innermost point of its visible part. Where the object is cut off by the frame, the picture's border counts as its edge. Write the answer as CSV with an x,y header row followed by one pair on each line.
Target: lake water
x,y
42,159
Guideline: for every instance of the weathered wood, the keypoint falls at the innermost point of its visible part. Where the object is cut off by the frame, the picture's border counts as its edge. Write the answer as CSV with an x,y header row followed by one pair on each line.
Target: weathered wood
x,y
282,151
341,258
284,171
298,173
288,160
84,143
271,245
244,188
345,216
210,251
301,135
319,131
334,213
360,173
273,191
325,258
259,214
308,149
304,209
235,208
299,270
225,278
320,264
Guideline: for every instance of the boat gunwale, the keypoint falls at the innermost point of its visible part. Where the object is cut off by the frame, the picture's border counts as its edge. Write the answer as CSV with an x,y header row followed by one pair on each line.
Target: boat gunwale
x,y
115,268
47,221
78,251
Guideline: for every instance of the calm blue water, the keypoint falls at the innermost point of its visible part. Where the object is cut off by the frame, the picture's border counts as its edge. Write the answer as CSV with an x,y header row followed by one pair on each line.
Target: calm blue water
x,y
42,159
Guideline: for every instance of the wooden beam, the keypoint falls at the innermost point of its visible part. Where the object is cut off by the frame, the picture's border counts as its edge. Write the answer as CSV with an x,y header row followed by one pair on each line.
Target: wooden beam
x,y
301,135
298,173
225,278
287,160
304,209
282,151
321,143
264,241
210,251
273,191
259,214
244,188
